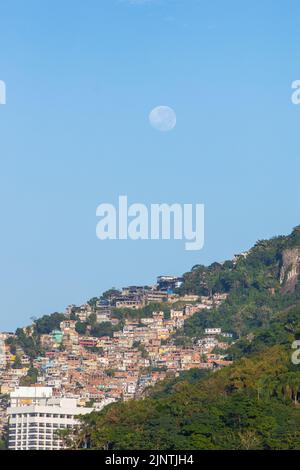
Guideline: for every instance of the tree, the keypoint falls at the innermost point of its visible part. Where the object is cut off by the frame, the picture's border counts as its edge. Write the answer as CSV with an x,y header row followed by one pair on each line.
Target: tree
x,y
48,323
81,327
102,329
30,378
92,319
17,363
110,294
93,302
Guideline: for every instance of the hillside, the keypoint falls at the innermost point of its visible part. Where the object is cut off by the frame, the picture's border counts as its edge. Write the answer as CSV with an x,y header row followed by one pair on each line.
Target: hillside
x,y
177,395
259,283
253,404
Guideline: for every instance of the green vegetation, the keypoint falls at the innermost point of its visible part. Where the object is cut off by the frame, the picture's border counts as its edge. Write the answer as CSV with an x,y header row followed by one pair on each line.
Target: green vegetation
x,y
258,270
81,327
294,239
48,323
253,404
28,341
30,378
144,312
103,329
2,445
253,288
110,372
109,294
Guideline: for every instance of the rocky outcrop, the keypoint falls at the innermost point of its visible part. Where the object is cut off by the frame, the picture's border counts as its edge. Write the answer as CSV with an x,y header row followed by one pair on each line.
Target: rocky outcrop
x,y
290,269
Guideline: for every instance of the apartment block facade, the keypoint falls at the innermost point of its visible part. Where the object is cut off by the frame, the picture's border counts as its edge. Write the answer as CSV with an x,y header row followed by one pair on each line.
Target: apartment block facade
x,y
35,417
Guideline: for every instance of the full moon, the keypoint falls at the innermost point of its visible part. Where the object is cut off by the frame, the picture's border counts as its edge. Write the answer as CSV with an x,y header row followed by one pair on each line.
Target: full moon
x,y
163,118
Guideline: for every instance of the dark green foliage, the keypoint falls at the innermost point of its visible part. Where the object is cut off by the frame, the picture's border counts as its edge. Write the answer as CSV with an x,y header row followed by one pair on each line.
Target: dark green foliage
x,y
92,319
81,327
3,445
48,323
29,342
12,343
259,270
253,404
249,405
253,287
109,294
102,329
144,312
93,301
294,238
30,378
17,363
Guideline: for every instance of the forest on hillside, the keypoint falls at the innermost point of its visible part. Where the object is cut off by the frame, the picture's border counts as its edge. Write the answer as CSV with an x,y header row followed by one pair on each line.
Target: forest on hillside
x,y
252,404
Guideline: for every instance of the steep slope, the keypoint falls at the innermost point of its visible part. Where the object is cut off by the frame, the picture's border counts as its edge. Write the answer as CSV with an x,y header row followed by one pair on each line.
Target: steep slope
x,y
290,269
268,265
259,283
251,405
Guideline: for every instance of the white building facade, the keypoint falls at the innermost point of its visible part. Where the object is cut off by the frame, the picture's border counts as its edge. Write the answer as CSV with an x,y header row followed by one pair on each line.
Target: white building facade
x,y
35,417
213,331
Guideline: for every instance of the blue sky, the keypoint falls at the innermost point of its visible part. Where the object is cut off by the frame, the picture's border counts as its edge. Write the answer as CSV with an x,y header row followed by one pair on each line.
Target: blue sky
x,y
81,80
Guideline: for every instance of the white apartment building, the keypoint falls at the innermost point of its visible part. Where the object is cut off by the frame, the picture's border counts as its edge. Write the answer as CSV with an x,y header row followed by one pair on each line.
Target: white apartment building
x,y
35,416
213,331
